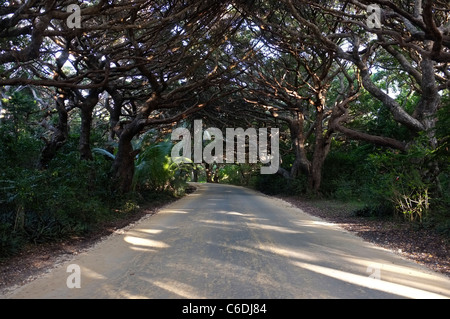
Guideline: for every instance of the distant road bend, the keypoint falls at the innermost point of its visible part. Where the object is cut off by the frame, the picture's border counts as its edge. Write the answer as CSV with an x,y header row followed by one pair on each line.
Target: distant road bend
x,y
230,242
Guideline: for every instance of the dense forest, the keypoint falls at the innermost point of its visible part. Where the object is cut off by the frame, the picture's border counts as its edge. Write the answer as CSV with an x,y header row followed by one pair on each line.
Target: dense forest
x,y
90,92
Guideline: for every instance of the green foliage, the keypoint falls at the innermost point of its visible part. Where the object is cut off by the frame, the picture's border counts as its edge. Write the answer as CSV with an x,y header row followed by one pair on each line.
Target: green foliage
x,y
40,206
346,173
371,117
277,185
155,170
402,182
19,143
239,174
71,196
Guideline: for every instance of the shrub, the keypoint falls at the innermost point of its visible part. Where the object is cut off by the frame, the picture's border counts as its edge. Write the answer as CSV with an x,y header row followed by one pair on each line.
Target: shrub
x,y
64,200
403,181
346,174
277,185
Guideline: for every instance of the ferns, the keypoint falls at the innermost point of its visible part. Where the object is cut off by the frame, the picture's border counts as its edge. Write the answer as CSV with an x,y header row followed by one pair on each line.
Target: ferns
x,y
156,170
154,167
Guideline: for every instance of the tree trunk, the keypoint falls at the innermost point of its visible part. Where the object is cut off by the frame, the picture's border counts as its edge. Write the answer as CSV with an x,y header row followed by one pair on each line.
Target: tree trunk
x,y
195,174
87,107
426,111
322,145
398,113
85,134
315,178
301,162
115,112
216,175
320,154
61,133
315,175
123,167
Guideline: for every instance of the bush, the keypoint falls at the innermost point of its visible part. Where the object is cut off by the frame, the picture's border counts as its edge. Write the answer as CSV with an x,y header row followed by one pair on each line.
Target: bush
x,y
346,174
405,181
50,205
71,196
155,170
277,185
237,174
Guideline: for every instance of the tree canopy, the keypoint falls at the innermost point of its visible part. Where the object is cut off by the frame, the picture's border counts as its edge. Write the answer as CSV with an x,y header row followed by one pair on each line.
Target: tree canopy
x,y
361,85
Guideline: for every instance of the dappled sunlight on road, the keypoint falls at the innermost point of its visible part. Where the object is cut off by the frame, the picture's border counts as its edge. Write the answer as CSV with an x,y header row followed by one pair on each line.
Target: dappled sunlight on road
x,y
176,211
238,214
314,224
404,281
178,288
401,274
327,261
239,262
137,241
92,274
286,252
149,231
322,260
112,292
139,237
371,283
252,247
272,228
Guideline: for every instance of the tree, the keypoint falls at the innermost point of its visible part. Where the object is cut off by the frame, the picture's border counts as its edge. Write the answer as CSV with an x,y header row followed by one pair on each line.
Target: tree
x,y
171,67
292,82
417,52
153,57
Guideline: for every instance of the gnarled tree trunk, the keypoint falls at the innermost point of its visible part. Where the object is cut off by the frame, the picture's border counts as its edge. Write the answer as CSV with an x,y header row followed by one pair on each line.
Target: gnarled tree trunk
x,y
85,134
123,167
60,134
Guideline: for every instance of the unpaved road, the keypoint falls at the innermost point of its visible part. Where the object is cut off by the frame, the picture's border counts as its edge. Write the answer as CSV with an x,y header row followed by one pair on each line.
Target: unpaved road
x,y
229,242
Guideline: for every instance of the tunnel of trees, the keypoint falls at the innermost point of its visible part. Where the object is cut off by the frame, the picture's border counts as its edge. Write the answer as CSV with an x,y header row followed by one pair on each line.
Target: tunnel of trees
x,y
90,92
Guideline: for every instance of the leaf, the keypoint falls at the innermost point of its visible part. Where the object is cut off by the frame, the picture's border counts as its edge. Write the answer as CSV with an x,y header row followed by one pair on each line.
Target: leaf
x,y
104,152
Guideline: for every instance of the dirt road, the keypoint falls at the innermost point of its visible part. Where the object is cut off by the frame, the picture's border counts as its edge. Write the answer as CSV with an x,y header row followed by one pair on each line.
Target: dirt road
x,y
230,242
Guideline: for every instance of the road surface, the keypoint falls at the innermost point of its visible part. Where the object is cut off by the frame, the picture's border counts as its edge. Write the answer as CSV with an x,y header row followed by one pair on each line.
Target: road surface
x,y
226,242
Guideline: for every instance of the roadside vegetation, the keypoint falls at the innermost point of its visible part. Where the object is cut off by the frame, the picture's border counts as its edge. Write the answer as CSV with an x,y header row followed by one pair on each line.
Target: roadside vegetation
x,y
86,113
71,197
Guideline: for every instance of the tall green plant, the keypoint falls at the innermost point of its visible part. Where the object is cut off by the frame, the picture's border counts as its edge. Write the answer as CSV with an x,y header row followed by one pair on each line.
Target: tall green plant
x,y
403,181
153,167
